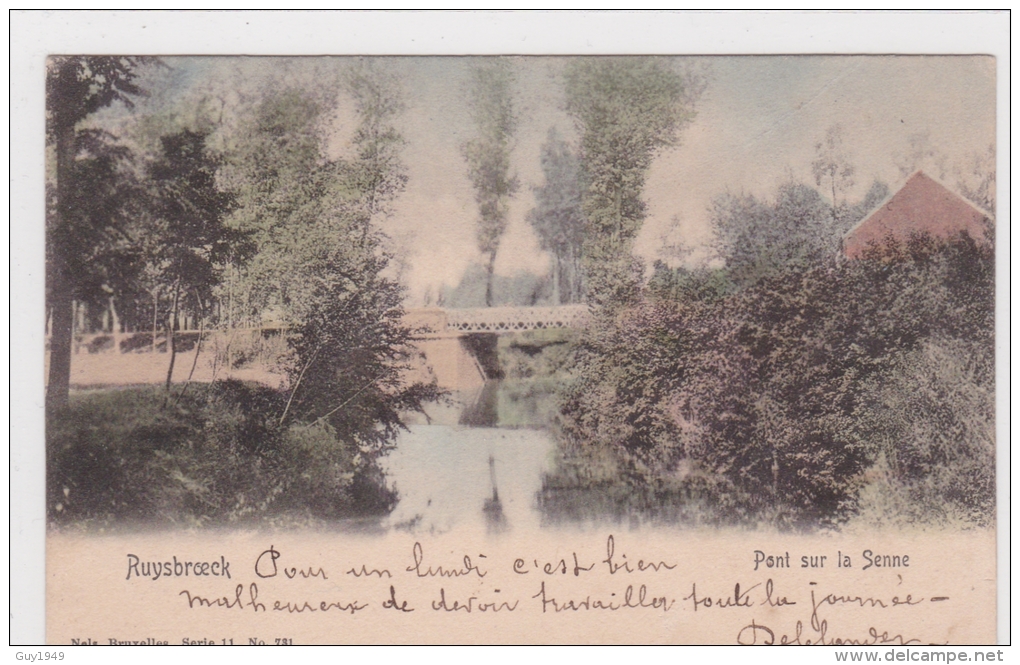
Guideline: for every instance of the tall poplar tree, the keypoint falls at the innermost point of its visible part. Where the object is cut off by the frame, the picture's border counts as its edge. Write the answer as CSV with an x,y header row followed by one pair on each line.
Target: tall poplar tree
x,y
558,218
626,110
488,155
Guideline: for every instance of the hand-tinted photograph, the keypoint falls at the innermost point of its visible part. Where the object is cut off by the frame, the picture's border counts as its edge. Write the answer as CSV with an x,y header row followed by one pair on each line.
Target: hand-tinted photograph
x,y
460,314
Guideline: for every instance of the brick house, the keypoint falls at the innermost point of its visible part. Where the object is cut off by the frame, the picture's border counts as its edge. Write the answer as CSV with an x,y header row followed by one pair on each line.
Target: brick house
x,y
921,205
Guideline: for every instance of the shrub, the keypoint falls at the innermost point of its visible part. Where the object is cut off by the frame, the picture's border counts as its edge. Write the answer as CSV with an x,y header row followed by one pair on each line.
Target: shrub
x,y
774,403
216,455
935,431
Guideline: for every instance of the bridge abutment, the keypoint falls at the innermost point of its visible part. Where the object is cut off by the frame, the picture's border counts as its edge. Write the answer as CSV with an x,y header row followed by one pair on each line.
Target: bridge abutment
x,y
462,345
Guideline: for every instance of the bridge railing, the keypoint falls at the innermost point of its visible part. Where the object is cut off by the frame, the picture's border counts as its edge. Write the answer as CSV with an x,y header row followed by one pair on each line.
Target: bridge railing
x,y
429,322
513,319
497,319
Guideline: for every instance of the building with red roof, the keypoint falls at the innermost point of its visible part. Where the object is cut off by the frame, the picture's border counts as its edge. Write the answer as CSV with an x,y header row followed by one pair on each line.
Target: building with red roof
x,y
921,205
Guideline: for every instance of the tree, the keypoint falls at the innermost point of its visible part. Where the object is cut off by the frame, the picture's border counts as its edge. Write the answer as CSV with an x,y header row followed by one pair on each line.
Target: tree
x,y
107,260
185,236
284,187
774,402
322,264
977,180
760,237
922,154
626,110
833,163
935,434
81,219
351,347
377,169
488,155
558,218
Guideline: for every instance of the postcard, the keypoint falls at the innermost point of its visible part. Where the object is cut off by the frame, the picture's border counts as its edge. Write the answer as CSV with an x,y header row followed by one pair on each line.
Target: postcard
x,y
520,349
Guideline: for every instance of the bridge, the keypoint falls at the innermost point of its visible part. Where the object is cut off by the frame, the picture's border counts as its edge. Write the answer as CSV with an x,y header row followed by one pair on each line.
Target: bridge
x,y
437,323
460,346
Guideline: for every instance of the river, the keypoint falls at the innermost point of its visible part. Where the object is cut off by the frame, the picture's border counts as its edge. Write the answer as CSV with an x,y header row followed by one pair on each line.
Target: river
x,y
444,472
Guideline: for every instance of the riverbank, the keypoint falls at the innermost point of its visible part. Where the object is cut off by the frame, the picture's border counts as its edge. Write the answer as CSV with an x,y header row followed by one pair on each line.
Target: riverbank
x,y
213,454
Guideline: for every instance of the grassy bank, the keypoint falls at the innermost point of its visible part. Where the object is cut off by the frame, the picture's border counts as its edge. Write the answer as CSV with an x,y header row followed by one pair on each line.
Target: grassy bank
x,y
215,455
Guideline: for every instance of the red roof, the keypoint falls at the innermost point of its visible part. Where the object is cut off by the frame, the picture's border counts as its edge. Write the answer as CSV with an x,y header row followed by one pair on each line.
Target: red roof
x,y
921,205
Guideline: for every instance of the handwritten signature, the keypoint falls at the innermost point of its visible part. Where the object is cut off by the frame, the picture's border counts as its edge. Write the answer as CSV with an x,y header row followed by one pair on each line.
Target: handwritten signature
x,y
760,634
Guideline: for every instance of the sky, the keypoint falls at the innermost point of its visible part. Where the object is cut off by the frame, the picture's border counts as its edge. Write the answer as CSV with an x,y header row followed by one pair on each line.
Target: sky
x,y
755,127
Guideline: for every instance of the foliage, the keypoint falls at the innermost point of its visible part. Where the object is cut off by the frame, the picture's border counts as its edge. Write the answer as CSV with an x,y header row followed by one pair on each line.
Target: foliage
x,y
833,162
683,284
85,210
558,218
217,456
488,155
759,237
935,432
322,263
522,289
78,86
98,223
782,400
297,203
293,232
351,350
185,236
626,111
283,188
377,169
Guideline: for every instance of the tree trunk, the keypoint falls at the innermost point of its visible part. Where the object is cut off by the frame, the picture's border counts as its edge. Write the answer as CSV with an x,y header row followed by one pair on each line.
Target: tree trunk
x,y
170,339
61,284
230,315
61,340
117,327
576,277
155,318
835,218
488,282
557,268
198,350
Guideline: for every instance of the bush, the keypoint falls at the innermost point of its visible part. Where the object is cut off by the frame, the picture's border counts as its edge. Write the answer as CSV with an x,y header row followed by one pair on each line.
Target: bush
x,y
936,435
216,455
775,402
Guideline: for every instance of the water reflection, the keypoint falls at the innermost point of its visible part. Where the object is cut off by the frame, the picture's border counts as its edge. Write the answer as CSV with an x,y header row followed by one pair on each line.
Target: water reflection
x,y
481,409
495,520
452,476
